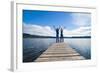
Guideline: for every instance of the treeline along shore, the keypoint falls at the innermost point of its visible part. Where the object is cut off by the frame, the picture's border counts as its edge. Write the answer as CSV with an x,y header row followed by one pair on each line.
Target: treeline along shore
x,y
25,35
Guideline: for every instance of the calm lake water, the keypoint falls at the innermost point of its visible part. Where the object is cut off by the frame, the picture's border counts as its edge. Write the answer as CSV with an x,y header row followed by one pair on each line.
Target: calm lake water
x,y
34,47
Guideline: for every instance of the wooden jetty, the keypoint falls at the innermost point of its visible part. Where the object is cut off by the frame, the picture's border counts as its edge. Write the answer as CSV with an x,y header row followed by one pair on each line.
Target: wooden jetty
x,y
59,52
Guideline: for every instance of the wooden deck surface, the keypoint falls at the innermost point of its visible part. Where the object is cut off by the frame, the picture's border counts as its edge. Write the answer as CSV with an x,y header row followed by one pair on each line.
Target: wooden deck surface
x,y
59,52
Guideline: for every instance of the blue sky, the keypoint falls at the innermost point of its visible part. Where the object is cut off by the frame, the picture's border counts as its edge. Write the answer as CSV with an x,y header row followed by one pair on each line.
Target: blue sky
x,y
35,21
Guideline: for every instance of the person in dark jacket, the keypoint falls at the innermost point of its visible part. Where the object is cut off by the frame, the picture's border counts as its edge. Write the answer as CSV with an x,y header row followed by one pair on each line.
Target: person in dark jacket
x,y
61,35
57,35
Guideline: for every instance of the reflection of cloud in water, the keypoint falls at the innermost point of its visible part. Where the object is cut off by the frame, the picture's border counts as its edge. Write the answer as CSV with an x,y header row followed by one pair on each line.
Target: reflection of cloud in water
x,y
35,45
83,46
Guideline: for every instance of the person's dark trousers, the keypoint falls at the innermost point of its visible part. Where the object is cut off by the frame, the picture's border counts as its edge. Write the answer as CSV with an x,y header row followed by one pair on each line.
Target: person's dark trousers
x,y
57,39
61,39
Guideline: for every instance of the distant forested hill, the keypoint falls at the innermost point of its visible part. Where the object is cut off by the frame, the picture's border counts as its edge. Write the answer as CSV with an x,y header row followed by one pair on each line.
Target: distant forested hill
x,y
25,35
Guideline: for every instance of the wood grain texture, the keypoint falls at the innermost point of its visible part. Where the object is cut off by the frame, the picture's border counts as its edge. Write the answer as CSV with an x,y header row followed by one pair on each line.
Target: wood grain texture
x,y
59,52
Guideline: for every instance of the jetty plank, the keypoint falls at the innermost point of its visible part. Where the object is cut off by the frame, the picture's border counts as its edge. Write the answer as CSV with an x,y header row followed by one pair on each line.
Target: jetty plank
x,y
59,52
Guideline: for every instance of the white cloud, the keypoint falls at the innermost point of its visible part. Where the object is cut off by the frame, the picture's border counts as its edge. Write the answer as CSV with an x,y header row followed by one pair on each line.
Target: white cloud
x,y
80,19
82,31
38,30
48,31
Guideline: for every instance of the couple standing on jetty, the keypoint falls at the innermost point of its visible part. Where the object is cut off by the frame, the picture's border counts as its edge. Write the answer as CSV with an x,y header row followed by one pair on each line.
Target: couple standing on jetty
x,y
59,38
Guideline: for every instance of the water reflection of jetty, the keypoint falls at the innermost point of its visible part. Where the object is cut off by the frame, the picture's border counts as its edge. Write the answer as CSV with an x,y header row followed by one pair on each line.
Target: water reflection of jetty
x,y
58,52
